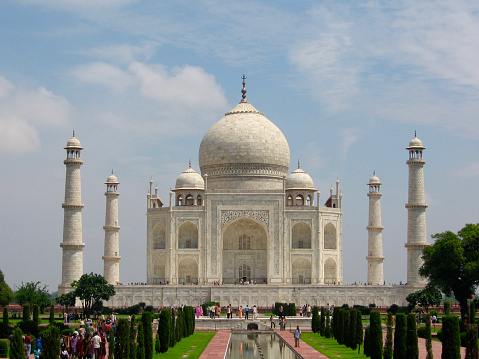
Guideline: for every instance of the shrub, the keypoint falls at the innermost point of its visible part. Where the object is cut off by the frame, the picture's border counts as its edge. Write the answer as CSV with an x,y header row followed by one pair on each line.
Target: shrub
x,y
352,342
315,321
122,347
26,312
359,328
291,310
388,345
472,313
393,309
140,348
375,336
412,348
439,335
51,318
67,331
400,337
451,344
364,310
5,330
3,349
321,326
29,326
462,337
111,345
428,337
346,334
327,330
149,308
366,341
36,314
133,342
447,307
433,312
421,332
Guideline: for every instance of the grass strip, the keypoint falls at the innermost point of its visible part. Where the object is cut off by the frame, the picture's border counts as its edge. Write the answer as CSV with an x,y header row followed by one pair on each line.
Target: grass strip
x,y
330,348
190,347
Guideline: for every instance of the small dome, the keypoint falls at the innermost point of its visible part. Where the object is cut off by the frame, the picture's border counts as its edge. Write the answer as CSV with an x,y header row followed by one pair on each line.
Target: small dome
x,y
73,143
190,179
299,179
374,180
112,179
415,143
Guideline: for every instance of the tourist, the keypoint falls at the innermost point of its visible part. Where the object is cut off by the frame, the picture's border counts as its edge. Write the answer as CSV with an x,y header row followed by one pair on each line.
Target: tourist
x,y
309,310
102,346
96,345
228,312
255,312
88,347
81,347
271,320
240,312
297,336
246,311
28,343
280,311
74,345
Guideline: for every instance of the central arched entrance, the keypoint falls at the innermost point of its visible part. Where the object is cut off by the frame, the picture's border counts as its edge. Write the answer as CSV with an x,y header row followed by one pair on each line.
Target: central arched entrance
x,y
244,252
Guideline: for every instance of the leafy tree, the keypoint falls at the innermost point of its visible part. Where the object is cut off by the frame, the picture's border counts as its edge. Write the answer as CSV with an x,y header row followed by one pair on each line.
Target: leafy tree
x,y
91,288
425,298
17,351
428,337
122,347
375,336
400,337
472,350
146,320
388,348
51,343
412,349
6,294
66,300
452,264
32,293
451,342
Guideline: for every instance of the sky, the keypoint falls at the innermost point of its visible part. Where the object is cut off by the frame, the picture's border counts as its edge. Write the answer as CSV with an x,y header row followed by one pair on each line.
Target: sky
x,y
140,83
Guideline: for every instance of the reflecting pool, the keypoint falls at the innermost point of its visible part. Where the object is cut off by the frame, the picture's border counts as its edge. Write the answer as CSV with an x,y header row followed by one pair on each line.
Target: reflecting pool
x,y
258,345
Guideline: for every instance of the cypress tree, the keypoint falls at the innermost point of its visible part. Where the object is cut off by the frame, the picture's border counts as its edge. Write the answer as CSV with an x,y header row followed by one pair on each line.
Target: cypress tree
x,y
322,323
346,321
148,333
451,342
17,351
122,346
353,343
327,330
366,341
447,307
335,323
51,318
36,314
412,349
5,316
140,348
359,329
26,312
375,336
51,343
315,320
133,333
472,350
388,345
173,328
400,337
428,337
472,313
164,328
111,345
157,345
339,336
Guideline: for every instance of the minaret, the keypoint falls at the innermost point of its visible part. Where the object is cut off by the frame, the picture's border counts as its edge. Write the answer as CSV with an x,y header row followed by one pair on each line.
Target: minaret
x,y
416,213
72,245
111,258
375,237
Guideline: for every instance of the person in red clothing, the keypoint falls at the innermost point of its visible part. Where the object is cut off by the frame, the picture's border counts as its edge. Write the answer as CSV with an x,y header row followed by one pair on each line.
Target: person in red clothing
x,y
28,343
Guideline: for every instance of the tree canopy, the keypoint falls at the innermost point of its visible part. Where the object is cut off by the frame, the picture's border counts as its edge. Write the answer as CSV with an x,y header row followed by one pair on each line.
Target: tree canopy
x,y
6,294
91,288
66,300
32,293
425,298
452,263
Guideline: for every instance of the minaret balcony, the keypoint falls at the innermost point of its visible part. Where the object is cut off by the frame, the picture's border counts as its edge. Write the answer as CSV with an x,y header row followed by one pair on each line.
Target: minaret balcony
x,y
374,228
111,228
111,258
416,205
72,206
72,246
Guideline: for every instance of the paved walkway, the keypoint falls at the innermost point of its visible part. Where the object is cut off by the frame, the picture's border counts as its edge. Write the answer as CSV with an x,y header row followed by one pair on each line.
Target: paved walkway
x,y
216,348
306,351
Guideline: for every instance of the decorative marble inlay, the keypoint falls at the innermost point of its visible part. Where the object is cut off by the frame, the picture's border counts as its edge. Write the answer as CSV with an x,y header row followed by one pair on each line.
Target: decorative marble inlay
x,y
229,216
180,221
298,220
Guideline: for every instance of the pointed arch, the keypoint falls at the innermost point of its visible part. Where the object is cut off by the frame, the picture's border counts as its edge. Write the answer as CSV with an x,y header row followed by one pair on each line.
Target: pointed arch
x,y
330,271
188,236
330,241
301,270
159,236
301,235
187,271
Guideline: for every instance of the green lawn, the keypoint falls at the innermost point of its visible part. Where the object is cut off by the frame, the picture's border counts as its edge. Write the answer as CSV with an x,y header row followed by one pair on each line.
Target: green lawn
x,y
330,348
191,346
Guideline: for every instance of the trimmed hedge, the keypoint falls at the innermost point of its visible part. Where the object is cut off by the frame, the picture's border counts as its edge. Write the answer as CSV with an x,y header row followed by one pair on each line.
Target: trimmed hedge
x,y
451,342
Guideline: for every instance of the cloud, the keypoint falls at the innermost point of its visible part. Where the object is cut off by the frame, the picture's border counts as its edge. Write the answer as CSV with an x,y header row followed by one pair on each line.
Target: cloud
x,y
23,111
348,138
470,171
104,74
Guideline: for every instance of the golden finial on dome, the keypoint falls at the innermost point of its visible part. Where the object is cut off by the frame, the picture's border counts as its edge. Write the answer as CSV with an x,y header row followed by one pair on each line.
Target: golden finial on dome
x,y
243,90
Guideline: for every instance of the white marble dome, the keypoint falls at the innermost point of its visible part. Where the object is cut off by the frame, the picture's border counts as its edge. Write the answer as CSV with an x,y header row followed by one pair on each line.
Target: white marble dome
x,y
244,142
190,179
374,180
415,142
112,179
73,143
300,180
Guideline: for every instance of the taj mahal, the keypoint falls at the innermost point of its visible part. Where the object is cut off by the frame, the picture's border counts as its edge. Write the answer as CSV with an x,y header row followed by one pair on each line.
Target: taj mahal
x,y
244,229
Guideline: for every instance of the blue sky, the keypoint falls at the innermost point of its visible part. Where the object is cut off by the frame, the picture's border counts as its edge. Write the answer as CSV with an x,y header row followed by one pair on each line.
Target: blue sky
x,y
141,82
